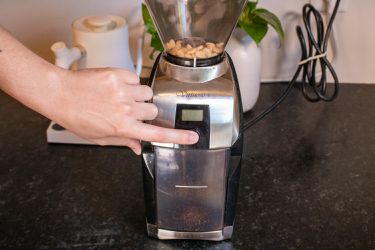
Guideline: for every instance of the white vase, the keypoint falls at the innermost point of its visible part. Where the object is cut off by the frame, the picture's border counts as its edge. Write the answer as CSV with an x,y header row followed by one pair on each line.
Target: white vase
x,y
246,56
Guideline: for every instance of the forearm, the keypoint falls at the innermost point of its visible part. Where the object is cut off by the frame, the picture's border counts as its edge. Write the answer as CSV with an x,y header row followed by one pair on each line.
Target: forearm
x,y
27,77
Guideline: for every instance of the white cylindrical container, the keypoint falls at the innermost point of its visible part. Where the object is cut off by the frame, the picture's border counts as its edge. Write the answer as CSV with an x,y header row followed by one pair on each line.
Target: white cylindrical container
x,y
105,40
247,60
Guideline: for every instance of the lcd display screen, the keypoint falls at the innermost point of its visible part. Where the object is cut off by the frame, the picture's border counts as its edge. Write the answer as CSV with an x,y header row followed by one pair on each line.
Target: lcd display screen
x,y
192,115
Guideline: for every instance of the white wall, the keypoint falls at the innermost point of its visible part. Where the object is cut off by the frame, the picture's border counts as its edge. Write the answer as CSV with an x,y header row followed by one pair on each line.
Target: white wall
x,y
355,33
40,23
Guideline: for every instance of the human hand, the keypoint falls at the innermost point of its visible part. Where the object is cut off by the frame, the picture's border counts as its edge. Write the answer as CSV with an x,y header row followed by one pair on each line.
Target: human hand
x,y
107,107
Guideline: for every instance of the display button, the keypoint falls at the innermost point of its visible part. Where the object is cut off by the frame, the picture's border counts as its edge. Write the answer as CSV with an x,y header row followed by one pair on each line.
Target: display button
x,y
192,115
199,135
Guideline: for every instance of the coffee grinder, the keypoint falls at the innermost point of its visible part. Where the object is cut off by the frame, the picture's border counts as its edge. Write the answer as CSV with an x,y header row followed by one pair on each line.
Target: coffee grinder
x,y
191,191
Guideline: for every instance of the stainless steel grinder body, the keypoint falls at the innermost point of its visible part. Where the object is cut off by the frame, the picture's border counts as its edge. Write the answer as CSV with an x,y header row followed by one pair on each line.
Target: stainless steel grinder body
x,y
191,191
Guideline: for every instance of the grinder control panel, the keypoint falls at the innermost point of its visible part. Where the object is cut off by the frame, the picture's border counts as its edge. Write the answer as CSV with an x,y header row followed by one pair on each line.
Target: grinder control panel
x,y
195,118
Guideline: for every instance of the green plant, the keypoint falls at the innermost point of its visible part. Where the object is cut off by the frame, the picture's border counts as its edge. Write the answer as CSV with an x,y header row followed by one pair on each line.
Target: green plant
x,y
150,28
254,21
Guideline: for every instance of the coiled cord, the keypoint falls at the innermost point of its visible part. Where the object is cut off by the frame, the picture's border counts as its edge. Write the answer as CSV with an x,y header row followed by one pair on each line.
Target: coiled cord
x,y
314,53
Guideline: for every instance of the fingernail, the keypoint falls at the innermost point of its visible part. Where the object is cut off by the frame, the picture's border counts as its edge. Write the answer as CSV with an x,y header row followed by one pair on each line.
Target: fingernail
x,y
193,137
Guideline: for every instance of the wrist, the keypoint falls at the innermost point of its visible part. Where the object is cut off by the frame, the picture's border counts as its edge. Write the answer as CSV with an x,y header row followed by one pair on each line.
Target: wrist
x,y
50,94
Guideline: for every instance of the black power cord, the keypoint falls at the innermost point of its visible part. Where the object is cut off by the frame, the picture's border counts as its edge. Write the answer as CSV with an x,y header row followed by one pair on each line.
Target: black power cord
x,y
313,53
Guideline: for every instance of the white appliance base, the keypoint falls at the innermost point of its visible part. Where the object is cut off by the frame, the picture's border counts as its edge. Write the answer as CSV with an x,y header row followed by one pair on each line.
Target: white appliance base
x,y
57,134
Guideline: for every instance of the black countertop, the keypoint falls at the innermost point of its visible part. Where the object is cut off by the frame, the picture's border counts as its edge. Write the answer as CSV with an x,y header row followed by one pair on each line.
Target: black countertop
x,y
308,181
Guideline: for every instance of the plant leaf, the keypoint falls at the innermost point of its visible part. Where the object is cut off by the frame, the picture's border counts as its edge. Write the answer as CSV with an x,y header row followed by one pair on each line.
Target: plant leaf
x,y
257,30
156,43
272,20
255,22
146,15
246,15
252,5
150,28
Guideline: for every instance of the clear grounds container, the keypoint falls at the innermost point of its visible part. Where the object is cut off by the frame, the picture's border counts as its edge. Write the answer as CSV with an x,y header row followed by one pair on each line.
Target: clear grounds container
x,y
195,28
190,189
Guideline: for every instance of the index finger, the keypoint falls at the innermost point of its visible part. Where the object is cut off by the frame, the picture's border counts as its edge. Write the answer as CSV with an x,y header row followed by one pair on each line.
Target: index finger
x,y
152,133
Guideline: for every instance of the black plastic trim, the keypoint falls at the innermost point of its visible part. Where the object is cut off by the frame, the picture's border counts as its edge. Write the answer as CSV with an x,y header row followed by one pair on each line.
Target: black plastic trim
x,y
234,171
190,62
149,191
